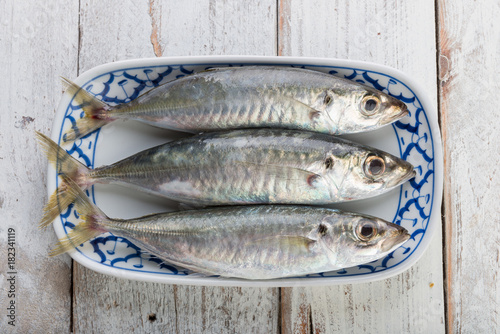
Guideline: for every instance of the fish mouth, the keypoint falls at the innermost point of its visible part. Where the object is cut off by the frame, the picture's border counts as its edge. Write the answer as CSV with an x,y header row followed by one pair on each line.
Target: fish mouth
x,y
396,112
406,172
396,237
410,174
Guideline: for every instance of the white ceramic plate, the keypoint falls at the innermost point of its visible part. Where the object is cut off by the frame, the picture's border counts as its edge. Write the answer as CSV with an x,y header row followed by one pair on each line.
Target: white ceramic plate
x,y
416,205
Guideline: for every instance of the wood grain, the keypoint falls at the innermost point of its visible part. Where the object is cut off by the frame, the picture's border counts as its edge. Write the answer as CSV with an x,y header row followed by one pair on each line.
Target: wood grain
x,y
40,41
226,310
120,306
33,52
469,39
215,27
401,35
168,29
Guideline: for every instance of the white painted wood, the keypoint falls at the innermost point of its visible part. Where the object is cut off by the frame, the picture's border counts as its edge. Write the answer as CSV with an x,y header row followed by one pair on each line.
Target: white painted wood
x,y
215,27
469,39
168,29
226,310
112,32
112,305
401,35
122,306
34,51
39,41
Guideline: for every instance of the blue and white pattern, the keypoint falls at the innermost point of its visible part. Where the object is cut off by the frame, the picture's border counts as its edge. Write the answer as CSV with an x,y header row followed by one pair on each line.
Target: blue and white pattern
x,y
413,136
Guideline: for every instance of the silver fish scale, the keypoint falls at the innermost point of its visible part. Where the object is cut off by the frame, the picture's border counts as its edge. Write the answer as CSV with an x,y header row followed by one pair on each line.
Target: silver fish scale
x,y
251,242
255,166
231,97
229,168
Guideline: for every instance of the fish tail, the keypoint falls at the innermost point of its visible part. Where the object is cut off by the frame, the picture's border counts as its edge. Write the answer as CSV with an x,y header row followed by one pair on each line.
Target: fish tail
x,y
93,221
66,165
95,112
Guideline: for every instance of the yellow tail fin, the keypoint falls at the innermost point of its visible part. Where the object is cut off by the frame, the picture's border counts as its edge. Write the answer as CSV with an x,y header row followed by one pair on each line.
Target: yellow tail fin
x,y
64,164
93,220
95,112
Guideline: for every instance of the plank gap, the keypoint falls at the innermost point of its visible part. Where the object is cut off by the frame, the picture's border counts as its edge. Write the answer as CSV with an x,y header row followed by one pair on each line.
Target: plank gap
x,y
437,17
175,309
279,311
283,15
73,267
278,39
438,54
310,319
72,298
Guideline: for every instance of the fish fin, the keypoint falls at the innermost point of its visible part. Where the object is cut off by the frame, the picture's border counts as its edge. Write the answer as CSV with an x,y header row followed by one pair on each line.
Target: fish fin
x,y
64,164
58,202
188,269
313,113
192,273
92,220
297,104
309,177
95,115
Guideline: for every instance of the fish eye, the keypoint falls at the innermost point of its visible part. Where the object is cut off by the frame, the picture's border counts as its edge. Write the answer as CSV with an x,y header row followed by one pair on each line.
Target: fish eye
x,y
374,166
328,100
366,230
370,105
329,163
322,229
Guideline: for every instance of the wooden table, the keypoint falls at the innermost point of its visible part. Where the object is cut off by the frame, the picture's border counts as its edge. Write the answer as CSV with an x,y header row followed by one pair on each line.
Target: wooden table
x,y
451,48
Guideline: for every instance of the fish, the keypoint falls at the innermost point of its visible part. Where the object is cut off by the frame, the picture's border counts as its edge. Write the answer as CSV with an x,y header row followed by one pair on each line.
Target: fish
x,y
248,242
247,97
240,167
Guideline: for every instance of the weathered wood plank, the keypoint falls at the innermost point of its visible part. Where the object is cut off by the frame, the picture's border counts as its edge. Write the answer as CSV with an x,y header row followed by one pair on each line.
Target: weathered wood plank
x,y
214,27
102,302
112,305
211,28
401,35
168,29
33,52
226,310
469,58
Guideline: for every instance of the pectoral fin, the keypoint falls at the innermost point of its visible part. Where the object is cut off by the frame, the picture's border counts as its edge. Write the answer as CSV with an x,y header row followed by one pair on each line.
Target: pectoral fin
x,y
290,102
312,112
282,171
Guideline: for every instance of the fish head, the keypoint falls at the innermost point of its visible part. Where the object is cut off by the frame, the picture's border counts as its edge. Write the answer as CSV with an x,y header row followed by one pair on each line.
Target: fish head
x,y
362,173
357,239
363,108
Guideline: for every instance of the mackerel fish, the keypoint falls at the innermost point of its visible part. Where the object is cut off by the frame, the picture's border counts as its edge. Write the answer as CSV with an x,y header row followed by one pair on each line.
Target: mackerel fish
x,y
265,166
248,97
249,242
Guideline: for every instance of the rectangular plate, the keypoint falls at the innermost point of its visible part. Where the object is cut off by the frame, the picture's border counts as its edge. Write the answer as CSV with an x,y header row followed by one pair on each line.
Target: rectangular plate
x,y
415,205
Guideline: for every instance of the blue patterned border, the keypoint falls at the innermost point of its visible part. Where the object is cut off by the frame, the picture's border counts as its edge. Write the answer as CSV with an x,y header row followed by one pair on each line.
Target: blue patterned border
x,y
413,136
